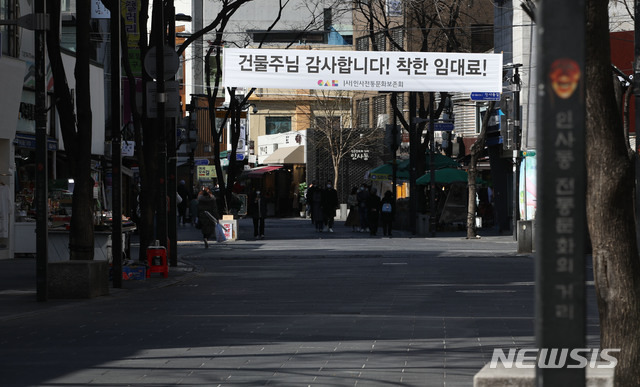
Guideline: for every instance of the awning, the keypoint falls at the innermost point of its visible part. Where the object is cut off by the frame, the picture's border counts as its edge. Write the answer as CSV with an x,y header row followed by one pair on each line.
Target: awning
x,y
258,172
286,155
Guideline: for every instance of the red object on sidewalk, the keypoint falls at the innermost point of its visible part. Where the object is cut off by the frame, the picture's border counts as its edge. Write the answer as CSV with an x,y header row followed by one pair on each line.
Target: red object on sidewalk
x,y
162,267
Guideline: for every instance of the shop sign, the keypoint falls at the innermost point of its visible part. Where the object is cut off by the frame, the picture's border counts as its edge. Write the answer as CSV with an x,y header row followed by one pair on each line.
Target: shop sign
x,y
206,171
28,141
360,154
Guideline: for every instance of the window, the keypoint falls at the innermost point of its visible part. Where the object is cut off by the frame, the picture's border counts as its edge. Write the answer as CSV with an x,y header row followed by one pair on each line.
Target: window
x,y
4,15
380,41
362,44
363,113
278,124
397,34
380,111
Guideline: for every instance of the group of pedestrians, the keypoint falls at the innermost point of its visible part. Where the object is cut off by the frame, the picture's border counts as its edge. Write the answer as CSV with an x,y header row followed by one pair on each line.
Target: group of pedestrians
x,y
323,203
368,210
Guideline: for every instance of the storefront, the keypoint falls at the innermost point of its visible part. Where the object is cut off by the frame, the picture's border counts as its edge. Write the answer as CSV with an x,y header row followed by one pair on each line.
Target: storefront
x,y
12,73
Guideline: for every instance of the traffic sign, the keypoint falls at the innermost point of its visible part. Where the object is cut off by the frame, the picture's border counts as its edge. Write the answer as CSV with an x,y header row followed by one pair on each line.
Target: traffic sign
x,y
201,162
487,96
171,62
443,126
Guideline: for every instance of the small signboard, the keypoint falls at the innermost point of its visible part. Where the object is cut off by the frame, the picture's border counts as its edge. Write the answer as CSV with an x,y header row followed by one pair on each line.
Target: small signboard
x,y
485,96
201,162
206,172
443,126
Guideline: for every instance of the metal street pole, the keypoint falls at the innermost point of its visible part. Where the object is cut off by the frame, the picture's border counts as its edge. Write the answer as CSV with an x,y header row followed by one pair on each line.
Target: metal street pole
x,y
172,185
42,168
116,150
636,93
161,213
516,145
433,222
414,146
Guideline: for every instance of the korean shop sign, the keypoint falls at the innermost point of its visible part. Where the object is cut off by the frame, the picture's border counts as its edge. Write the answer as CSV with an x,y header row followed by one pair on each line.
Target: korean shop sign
x,y
362,70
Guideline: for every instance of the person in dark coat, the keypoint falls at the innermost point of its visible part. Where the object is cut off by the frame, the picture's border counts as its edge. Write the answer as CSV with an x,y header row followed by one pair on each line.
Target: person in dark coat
x,y
353,219
184,204
373,211
315,199
387,211
206,202
362,196
329,205
258,210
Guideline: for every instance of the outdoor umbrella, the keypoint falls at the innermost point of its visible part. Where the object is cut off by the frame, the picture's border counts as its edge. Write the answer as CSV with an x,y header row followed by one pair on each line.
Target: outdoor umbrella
x,y
445,176
441,161
385,172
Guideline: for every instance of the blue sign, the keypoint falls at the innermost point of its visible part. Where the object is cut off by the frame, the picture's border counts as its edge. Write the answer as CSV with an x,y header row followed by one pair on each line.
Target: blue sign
x,y
443,126
201,162
487,96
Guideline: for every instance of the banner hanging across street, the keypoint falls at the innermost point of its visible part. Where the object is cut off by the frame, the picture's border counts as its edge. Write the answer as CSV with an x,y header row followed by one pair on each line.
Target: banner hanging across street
x,y
362,70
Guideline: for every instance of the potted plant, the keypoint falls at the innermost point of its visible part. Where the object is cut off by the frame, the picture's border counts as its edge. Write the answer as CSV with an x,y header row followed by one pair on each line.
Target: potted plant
x,y
302,190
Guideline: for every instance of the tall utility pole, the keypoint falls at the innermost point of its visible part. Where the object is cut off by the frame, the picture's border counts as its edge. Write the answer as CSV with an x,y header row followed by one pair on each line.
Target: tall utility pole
x,y
172,185
636,93
42,167
414,147
116,150
515,84
160,32
433,221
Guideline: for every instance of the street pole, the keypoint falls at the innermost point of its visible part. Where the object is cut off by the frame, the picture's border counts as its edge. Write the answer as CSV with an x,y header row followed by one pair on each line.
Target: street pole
x,y
42,207
636,93
516,145
116,150
161,213
171,157
394,146
433,222
414,146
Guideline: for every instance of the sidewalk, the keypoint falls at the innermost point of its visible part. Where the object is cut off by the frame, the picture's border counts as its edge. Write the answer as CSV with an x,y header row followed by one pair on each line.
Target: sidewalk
x,y
18,275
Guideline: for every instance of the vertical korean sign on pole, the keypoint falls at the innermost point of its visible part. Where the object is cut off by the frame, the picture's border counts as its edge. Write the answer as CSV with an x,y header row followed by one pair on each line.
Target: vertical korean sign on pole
x,y
561,216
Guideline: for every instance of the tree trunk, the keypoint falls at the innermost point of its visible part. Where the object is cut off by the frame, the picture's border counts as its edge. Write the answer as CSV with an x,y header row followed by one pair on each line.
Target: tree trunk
x,y
610,211
472,173
77,138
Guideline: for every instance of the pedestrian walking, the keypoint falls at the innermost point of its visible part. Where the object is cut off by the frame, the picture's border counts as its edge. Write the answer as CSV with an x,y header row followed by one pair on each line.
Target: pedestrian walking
x,y
363,195
184,204
353,219
387,212
206,208
373,211
329,205
193,209
315,199
258,210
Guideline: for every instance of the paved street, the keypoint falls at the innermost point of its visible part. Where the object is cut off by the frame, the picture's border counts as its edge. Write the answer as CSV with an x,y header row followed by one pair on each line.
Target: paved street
x,y
299,308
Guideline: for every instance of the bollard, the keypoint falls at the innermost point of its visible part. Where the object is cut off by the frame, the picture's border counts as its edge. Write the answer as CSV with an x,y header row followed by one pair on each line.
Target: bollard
x,y
525,236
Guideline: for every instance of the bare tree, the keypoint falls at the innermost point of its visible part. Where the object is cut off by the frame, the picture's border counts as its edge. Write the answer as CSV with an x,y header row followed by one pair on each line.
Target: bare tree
x,y
75,125
331,120
610,206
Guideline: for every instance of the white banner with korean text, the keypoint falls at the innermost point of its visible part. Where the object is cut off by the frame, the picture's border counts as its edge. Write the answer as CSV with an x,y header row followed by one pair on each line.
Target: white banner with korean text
x,y
362,70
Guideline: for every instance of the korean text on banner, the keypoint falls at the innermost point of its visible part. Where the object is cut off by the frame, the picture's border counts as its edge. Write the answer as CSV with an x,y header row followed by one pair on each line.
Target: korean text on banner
x,y
362,70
